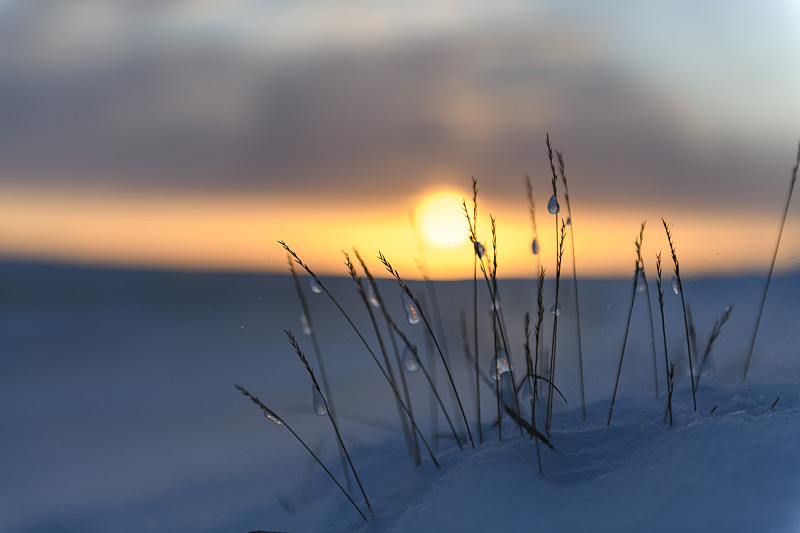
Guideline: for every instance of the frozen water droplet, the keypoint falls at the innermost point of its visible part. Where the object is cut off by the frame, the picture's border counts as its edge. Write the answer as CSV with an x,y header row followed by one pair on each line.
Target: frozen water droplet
x,y
495,305
371,297
480,251
675,288
569,221
269,415
410,363
314,286
555,310
552,205
320,407
535,246
412,312
304,323
640,284
500,364
526,391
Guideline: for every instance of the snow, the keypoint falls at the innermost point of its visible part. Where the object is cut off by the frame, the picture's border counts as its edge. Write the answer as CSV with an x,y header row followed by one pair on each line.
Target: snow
x,y
735,470
119,412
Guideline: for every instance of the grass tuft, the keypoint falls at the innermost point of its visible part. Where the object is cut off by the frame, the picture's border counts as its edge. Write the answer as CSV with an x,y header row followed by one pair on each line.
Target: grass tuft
x,y
410,294
335,425
270,415
683,304
364,342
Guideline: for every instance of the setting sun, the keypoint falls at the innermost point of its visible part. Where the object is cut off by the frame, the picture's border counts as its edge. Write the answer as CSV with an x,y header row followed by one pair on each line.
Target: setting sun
x,y
441,219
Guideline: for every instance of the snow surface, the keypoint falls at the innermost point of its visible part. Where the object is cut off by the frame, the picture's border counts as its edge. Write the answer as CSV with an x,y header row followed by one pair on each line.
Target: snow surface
x,y
119,413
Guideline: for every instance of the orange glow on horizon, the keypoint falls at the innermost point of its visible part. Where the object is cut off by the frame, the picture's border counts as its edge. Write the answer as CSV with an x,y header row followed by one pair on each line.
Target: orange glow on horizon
x,y
241,233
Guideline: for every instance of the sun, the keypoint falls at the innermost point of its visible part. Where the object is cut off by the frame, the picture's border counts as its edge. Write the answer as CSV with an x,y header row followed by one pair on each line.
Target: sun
x,y
441,219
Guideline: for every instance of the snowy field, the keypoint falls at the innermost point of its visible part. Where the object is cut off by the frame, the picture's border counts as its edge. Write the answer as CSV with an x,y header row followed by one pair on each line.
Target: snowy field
x,y
118,411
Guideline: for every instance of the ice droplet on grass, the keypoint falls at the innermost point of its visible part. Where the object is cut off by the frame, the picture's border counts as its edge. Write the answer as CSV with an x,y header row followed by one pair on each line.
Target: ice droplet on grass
x,y
410,363
371,297
569,221
555,310
320,407
269,415
500,364
675,288
552,205
535,246
314,286
304,323
412,312
640,285
480,251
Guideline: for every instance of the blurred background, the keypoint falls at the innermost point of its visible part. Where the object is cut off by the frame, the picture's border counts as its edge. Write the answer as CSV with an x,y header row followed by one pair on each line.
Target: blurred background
x,y
153,152
195,133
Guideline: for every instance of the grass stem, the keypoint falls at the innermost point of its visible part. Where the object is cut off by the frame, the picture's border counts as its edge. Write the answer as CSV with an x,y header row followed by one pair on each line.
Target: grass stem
x,y
574,278
271,415
624,341
407,290
664,333
772,264
335,425
366,345
683,304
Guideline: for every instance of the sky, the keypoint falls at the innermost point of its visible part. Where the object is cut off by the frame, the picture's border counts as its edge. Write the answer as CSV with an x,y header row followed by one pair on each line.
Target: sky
x,y
196,133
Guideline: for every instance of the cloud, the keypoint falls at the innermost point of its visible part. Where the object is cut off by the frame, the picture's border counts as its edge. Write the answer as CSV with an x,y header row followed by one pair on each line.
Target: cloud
x,y
172,96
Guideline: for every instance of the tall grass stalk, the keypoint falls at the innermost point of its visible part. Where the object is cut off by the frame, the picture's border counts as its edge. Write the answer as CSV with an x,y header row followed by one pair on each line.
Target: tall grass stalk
x,y
498,318
554,208
538,330
530,376
489,271
649,308
430,290
574,278
525,425
425,372
468,359
335,425
683,304
532,211
477,255
715,331
413,452
320,362
434,418
364,342
410,294
393,340
664,333
624,340
559,256
271,415
772,263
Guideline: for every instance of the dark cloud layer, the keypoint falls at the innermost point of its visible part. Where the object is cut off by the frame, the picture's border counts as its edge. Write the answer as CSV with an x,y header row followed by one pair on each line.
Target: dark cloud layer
x,y
379,121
